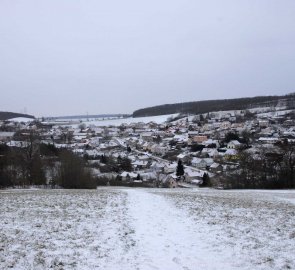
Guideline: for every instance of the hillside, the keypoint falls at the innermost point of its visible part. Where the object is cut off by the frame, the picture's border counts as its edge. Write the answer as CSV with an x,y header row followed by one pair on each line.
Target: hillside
x,y
90,116
9,115
206,106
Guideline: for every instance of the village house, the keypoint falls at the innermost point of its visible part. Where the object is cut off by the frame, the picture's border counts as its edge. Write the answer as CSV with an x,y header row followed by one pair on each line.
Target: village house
x,y
216,168
231,154
211,152
128,176
225,125
233,144
263,123
199,139
140,164
211,142
199,163
94,142
266,140
209,161
157,166
147,136
169,181
267,132
159,149
148,176
195,177
92,154
170,168
183,157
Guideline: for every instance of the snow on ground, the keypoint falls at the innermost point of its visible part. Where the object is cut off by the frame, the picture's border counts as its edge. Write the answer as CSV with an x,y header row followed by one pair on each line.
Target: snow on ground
x,y
63,229
117,122
259,227
121,228
274,113
21,119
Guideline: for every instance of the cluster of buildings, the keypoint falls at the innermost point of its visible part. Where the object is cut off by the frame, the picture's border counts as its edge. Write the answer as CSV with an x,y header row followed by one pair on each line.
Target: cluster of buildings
x,y
201,142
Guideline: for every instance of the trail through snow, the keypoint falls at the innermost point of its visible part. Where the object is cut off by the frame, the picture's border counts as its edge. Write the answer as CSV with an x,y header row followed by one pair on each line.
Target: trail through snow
x,y
167,238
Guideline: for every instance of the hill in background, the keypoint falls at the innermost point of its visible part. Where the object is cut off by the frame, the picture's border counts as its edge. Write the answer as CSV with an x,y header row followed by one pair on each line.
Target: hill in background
x,y
198,107
10,115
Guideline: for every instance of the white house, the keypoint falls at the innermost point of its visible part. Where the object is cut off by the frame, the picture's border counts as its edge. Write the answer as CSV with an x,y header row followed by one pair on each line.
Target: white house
x,y
140,164
234,144
268,140
211,152
170,168
199,163
157,166
159,150
192,176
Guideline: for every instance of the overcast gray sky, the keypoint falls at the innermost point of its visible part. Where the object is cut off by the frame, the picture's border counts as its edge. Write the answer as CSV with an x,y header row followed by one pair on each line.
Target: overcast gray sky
x,y
65,57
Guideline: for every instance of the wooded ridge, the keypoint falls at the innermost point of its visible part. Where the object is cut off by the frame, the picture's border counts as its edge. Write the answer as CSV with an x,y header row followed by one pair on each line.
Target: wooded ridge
x,y
205,106
10,115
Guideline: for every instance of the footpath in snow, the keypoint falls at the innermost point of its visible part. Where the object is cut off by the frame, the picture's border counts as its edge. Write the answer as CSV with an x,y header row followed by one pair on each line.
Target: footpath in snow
x,y
167,238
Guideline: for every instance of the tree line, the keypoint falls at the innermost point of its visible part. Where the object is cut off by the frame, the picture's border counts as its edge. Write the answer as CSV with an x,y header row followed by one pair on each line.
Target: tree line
x,y
206,106
37,164
264,169
10,115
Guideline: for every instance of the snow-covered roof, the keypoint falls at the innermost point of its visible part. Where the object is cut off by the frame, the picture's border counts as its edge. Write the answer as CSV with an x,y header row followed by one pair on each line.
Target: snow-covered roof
x,y
158,164
180,156
268,139
140,163
234,142
197,160
93,152
214,165
171,166
17,144
231,152
193,173
131,174
210,141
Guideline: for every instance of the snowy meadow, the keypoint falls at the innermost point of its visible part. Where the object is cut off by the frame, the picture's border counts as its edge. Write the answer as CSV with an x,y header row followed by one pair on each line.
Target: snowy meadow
x,y
122,228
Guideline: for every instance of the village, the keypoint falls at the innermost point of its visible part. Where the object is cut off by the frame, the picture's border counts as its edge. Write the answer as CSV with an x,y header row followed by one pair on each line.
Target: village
x,y
183,151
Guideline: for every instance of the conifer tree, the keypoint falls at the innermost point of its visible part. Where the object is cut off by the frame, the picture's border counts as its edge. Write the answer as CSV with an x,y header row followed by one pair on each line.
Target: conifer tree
x,y
179,170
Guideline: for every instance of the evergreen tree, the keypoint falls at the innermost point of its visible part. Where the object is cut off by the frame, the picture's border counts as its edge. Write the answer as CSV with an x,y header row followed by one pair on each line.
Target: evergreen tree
x,y
103,159
179,170
206,180
125,164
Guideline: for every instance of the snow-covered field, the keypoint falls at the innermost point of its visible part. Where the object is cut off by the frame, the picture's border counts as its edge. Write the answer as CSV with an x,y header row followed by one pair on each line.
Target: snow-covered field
x,y
117,122
21,119
121,228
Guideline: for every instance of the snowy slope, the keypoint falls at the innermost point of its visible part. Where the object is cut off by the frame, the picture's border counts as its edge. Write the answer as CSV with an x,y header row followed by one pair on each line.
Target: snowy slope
x,y
117,122
114,228
21,119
